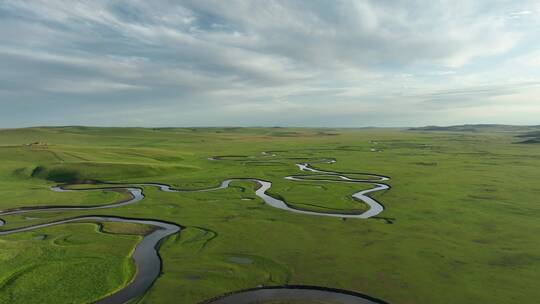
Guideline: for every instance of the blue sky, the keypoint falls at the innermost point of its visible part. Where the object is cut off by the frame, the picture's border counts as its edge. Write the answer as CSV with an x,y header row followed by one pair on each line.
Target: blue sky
x,y
268,63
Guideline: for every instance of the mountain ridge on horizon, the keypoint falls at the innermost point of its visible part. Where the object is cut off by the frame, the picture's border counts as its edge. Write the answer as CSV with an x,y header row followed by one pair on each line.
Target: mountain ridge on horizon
x,y
457,127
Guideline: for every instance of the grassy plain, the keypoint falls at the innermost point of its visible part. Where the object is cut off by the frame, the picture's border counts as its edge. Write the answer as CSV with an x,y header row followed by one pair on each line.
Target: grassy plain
x,y
464,204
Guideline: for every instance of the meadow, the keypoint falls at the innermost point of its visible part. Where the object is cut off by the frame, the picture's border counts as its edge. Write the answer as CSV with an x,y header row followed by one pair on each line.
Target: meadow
x,y
460,223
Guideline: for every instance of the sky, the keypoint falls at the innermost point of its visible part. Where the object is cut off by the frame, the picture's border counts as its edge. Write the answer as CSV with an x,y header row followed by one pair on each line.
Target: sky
x,y
312,63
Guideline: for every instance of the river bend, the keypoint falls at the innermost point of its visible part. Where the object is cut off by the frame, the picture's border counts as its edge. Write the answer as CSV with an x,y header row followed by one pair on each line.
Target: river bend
x,y
146,256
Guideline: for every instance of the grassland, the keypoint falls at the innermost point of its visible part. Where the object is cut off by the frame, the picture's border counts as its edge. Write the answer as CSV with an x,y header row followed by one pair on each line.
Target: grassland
x,y
464,205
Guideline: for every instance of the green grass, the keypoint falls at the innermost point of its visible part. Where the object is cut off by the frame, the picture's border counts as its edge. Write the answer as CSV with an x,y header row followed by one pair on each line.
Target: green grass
x,y
126,228
16,194
465,208
296,302
325,196
72,264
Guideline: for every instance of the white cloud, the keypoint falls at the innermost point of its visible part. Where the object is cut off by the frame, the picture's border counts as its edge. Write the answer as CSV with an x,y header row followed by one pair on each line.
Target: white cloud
x,y
89,87
324,58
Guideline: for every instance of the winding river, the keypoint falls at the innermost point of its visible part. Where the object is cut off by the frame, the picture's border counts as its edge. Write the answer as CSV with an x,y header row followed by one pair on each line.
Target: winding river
x,y
146,256
294,293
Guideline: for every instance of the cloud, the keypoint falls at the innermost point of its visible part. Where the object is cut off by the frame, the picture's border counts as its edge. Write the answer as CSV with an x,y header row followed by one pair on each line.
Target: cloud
x,y
264,59
90,87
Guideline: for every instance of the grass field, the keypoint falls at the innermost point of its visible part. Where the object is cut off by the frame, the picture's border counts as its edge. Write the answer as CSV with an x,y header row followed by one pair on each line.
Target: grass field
x,y
464,205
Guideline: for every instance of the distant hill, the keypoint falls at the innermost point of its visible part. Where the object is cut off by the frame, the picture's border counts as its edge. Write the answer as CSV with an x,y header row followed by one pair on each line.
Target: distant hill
x,y
526,134
530,137
530,141
480,128
530,134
